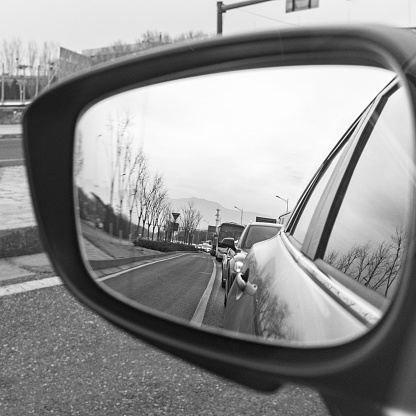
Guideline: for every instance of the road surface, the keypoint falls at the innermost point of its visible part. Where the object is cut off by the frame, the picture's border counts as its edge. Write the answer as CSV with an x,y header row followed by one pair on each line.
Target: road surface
x,y
60,358
11,152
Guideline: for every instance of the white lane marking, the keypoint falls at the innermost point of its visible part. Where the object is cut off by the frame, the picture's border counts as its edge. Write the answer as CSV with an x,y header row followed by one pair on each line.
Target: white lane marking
x,y
10,160
203,303
28,286
101,279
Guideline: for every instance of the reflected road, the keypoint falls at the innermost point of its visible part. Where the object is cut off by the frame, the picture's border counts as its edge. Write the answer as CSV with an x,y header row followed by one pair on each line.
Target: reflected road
x,y
184,285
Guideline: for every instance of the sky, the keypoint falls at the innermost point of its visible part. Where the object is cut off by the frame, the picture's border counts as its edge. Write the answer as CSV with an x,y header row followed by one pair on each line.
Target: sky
x,y
86,24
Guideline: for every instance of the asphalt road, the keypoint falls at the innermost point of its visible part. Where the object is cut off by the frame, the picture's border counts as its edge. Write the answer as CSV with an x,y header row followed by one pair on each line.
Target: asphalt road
x,y
60,358
11,152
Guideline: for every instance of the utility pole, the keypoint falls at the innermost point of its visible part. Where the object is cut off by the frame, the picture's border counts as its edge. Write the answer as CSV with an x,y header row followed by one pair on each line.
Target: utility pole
x,y
222,8
22,83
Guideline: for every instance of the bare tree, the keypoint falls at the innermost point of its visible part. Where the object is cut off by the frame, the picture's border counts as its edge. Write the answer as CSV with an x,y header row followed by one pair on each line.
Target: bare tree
x,y
124,159
151,201
118,144
154,38
49,59
120,48
191,35
32,56
156,206
19,51
119,154
164,218
189,220
138,176
12,54
145,207
393,264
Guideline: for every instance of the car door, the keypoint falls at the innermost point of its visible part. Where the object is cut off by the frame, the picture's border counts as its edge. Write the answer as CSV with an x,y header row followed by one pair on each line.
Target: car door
x,y
363,239
328,276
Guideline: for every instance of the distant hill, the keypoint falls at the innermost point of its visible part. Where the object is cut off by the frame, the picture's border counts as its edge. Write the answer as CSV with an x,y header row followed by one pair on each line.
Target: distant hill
x,y
208,209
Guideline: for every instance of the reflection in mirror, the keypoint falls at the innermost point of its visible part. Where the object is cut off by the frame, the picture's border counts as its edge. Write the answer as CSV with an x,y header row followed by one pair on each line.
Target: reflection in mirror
x,y
165,172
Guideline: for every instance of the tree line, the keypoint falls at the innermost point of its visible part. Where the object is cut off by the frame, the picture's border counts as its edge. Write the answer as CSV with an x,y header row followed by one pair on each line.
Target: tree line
x,y
31,57
40,59
138,205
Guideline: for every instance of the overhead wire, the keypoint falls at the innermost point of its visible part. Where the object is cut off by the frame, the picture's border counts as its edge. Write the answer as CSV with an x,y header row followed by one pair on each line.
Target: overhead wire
x,y
267,17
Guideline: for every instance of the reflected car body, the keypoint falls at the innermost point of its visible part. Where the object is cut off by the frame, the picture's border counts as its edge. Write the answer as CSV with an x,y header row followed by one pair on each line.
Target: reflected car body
x,y
221,250
225,231
281,302
205,247
331,272
253,233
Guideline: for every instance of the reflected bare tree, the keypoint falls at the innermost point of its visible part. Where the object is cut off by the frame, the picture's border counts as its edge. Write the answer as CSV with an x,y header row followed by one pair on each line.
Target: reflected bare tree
x,y
138,176
158,207
273,315
157,195
189,220
131,185
373,266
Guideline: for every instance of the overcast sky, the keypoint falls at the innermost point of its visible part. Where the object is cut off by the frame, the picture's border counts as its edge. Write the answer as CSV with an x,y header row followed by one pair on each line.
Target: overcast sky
x,y
85,24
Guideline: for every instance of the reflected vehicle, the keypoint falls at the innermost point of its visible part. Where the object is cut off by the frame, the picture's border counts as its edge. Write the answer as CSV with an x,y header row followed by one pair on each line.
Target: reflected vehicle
x,y
333,270
252,234
225,230
199,246
206,247
230,243
203,244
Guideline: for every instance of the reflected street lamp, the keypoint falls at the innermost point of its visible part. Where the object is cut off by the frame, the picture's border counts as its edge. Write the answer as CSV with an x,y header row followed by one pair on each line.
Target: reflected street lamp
x,y
286,200
206,238
242,211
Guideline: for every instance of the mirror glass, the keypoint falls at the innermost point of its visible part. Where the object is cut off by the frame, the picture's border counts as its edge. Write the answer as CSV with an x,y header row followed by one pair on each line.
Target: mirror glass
x,y
165,172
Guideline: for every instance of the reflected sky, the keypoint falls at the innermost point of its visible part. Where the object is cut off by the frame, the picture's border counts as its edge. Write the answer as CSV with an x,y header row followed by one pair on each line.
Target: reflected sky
x,y
237,138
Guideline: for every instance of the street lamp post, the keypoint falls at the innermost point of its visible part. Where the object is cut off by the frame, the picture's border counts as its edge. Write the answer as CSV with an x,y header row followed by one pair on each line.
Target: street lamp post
x,y
286,200
206,238
242,211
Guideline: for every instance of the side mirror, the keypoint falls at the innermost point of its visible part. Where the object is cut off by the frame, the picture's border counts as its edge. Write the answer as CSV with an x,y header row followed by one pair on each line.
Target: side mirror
x,y
68,157
228,243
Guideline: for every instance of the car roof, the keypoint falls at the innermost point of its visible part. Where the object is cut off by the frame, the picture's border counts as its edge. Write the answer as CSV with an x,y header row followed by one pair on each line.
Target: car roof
x,y
267,224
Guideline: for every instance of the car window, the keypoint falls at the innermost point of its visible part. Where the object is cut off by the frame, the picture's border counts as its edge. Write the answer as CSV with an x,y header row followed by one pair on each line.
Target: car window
x,y
307,212
368,238
259,233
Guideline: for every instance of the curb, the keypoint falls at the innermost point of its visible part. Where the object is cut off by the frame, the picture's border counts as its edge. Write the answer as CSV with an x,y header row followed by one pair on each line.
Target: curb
x,y
20,241
11,162
11,136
